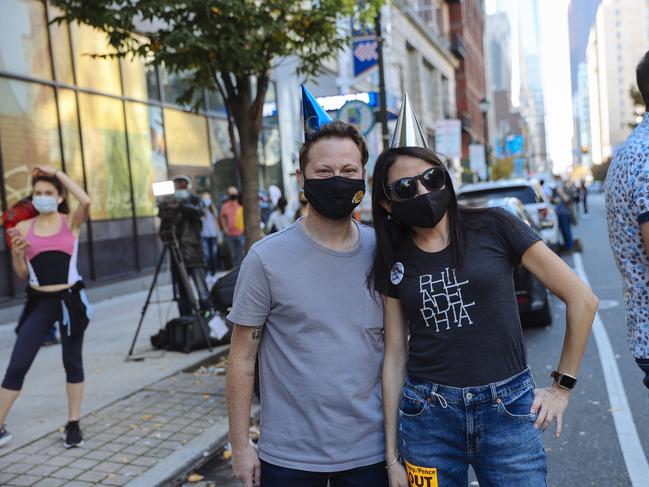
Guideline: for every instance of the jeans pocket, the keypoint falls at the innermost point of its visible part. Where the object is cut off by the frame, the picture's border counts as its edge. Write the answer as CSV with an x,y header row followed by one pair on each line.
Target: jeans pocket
x,y
517,406
410,405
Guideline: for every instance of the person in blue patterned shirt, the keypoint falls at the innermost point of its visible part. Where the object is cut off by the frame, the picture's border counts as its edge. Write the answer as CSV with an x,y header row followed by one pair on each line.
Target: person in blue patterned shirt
x,y
627,211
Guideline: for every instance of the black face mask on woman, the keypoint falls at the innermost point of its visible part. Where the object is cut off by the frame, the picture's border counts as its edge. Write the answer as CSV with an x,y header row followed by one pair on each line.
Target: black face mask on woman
x,y
336,197
424,211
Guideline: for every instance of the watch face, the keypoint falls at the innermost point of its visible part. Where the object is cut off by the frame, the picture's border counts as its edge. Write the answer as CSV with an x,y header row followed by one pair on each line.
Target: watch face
x,y
567,382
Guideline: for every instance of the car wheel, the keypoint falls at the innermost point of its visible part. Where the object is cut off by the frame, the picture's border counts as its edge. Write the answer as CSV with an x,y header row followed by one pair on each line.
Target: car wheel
x,y
538,318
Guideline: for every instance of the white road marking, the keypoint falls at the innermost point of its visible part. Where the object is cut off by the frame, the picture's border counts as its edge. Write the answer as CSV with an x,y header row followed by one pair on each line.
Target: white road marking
x,y
627,434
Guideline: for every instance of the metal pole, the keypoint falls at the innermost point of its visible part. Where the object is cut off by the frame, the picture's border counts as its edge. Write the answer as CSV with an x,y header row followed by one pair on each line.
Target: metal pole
x,y
383,110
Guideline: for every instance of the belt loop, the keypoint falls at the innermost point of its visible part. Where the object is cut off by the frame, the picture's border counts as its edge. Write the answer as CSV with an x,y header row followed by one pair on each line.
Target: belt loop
x,y
434,389
494,394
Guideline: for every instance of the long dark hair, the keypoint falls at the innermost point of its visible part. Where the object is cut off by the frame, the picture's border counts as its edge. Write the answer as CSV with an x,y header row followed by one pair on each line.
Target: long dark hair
x,y
56,182
390,233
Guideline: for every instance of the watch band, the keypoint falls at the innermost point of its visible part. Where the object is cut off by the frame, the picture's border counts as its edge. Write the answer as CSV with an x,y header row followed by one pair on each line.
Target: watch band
x,y
564,381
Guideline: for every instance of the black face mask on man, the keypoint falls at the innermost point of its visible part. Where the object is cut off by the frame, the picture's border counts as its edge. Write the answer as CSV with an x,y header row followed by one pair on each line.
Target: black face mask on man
x,y
336,197
424,211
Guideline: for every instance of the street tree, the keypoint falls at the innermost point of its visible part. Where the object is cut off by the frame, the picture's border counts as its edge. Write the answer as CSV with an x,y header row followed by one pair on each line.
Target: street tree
x,y
224,46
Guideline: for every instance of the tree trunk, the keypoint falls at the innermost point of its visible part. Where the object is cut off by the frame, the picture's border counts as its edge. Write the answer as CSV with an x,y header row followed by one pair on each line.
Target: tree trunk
x,y
248,170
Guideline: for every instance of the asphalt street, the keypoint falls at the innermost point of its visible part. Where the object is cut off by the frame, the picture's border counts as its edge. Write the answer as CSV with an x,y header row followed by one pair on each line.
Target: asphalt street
x,y
588,453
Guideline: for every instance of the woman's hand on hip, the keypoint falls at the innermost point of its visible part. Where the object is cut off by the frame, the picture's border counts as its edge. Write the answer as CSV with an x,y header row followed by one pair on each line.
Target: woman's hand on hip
x,y
550,404
398,476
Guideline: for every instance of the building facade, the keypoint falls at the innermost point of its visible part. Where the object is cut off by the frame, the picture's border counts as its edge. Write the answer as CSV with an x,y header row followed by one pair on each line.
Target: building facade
x,y
617,41
114,126
581,17
467,21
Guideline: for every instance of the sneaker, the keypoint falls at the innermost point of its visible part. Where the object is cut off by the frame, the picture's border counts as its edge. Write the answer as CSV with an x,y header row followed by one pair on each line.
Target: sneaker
x,y
5,436
72,435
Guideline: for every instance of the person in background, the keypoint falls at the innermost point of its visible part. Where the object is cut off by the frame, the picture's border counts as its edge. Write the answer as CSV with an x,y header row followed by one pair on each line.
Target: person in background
x,y
561,201
583,191
546,189
576,201
232,228
279,219
44,250
209,233
303,209
627,212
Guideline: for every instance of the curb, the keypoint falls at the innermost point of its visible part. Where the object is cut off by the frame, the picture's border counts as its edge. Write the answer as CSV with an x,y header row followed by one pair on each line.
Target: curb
x,y
175,468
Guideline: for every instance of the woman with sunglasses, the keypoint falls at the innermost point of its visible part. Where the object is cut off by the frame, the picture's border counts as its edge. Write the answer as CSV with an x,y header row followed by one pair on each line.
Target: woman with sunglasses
x,y
456,386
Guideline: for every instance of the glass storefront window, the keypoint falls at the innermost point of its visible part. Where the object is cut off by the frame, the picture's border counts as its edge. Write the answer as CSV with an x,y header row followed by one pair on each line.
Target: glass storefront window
x,y
70,132
134,78
94,73
60,39
269,146
173,87
219,139
215,103
187,140
28,134
104,145
147,149
23,39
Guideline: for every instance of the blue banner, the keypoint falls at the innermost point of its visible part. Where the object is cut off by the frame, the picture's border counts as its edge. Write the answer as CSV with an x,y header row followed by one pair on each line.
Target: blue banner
x,y
365,50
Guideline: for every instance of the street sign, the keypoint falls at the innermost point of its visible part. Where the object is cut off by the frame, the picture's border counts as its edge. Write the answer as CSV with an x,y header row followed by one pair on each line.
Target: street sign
x,y
365,50
515,144
357,113
477,160
448,138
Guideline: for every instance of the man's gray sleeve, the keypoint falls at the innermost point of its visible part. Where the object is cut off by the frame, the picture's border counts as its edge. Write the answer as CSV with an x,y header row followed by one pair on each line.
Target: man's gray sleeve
x,y
251,294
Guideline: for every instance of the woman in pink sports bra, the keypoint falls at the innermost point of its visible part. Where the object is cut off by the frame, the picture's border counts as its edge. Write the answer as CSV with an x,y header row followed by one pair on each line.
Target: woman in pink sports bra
x,y
44,251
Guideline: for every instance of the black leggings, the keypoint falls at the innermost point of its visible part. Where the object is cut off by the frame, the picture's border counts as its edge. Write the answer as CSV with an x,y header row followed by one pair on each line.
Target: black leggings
x,y
31,336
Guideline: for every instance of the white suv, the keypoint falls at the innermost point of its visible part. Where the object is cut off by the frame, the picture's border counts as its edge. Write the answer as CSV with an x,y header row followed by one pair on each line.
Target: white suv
x,y
530,194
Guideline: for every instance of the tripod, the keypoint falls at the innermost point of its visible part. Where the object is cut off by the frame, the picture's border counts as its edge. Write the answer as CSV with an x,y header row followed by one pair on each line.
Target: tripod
x,y
171,246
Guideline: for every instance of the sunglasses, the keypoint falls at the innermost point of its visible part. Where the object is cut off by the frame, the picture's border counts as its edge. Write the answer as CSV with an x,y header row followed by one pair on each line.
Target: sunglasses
x,y
433,179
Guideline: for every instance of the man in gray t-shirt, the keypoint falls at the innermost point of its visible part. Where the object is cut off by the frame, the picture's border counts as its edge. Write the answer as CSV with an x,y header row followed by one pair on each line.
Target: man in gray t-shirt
x,y
301,299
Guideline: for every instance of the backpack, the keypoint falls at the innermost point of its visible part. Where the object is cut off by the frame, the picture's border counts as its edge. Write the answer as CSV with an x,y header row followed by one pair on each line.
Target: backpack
x,y
23,210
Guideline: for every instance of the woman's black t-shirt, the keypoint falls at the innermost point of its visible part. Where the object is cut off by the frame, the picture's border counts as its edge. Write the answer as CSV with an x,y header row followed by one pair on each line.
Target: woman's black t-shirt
x,y
463,322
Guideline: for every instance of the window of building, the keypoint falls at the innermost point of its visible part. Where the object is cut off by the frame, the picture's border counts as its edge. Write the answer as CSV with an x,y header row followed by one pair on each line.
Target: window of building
x,y
174,86
187,139
215,103
23,39
101,74
71,139
147,150
220,144
104,145
60,40
28,134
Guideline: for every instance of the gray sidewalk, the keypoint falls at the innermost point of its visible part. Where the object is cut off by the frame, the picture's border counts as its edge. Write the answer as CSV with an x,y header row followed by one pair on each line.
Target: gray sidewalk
x,y
41,409
146,438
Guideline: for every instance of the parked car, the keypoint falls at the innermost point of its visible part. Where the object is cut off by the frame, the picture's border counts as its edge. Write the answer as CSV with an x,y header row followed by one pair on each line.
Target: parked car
x,y
529,192
531,294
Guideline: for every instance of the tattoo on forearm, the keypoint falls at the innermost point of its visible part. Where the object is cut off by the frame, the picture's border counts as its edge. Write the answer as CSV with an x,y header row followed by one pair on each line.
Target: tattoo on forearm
x,y
256,332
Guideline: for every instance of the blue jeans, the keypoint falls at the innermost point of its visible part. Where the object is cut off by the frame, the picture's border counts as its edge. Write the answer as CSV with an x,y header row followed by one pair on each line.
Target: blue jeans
x,y
370,475
563,217
235,246
445,429
211,253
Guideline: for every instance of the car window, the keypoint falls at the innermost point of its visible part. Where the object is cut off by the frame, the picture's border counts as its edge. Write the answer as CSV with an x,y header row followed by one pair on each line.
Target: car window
x,y
523,193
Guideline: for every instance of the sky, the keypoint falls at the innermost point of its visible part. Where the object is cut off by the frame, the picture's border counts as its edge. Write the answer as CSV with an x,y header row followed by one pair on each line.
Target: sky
x,y
554,48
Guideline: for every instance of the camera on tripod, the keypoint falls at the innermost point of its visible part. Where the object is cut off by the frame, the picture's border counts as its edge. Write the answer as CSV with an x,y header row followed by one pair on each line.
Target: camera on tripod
x,y
180,215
